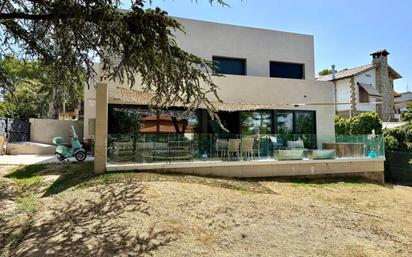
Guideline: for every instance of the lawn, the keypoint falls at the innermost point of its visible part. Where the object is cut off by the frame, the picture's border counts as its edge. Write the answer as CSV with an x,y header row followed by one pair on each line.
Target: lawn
x,y
65,210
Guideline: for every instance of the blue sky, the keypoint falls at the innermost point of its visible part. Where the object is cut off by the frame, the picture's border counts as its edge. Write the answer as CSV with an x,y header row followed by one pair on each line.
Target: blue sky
x,y
346,31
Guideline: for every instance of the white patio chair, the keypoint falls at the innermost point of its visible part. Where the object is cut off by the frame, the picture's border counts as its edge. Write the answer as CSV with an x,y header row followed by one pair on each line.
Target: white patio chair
x,y
221,147
233,147
246,147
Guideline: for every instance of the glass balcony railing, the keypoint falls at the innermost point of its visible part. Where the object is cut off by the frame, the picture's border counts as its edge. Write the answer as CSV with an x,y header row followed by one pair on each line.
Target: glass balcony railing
x,y
190,147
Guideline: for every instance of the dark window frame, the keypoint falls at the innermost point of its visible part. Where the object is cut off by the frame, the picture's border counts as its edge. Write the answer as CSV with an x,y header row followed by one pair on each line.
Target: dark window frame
x,y
295,120
244,60
275,121
302,64
274,125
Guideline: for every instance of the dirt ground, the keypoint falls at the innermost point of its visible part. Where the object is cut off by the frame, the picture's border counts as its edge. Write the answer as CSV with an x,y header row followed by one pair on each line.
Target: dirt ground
x,y
56,210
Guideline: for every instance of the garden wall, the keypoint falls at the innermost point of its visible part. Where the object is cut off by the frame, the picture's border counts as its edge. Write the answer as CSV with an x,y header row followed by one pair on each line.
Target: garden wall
x,y
44,130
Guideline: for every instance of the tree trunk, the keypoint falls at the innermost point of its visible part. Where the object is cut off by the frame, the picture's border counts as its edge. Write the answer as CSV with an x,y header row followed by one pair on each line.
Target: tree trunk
x,y
52,110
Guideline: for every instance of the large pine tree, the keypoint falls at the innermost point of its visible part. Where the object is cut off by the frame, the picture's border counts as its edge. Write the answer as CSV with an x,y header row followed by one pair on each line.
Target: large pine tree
x,y
70,34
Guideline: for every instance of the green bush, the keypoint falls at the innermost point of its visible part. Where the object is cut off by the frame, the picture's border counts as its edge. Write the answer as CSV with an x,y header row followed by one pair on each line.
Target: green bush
x,y
361,124
342,126
397,140
364,123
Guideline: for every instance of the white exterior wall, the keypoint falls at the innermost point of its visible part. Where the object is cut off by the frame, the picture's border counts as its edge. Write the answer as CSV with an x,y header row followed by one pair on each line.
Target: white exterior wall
x,y
257,46
90,103
368,77
343,94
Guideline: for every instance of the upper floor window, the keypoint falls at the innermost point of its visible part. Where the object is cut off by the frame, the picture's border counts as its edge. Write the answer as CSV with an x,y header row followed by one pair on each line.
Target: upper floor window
x,y
234,66
286,70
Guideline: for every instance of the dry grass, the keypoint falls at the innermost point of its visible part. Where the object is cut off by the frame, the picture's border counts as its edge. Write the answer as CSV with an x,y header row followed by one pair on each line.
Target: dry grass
x,y
64,210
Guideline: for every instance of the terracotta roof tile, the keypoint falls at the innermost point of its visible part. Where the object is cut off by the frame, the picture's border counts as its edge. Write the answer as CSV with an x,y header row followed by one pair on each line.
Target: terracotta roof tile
x,y
346,73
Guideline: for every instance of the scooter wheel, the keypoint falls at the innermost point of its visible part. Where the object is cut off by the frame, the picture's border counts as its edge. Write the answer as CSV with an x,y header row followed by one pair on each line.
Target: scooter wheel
x,y
80,156
60,157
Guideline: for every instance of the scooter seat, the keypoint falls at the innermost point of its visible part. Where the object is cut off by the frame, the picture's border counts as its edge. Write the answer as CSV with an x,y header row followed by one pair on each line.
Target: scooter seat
x,y
58,140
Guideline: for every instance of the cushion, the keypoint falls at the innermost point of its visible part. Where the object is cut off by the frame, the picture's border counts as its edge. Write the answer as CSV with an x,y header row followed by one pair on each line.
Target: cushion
x,y
273,139
160,146
296,144
296,154
323,154
146,146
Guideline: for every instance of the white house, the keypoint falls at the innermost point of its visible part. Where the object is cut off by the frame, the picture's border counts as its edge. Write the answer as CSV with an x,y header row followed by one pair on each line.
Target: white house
x,y
266,72
280,119
368,88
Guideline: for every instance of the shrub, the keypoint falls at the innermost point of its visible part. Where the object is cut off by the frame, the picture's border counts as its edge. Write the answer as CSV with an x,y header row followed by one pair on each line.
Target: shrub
x,y
364,123
397,140
342,126
361,124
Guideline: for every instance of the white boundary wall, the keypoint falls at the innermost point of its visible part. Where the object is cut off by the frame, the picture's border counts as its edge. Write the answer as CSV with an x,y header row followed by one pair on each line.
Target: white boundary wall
x,y
44,130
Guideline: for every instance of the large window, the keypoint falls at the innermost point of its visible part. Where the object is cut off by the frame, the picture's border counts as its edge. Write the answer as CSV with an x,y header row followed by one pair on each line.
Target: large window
x,y
305,122
134,120
295,122
284,122
263,122
286,70
258,122
232,66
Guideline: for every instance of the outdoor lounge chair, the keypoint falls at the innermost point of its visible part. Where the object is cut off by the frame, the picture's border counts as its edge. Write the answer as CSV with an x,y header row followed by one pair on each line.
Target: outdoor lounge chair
x,y
180,150
295,151
122,151
277,142
295,154
323,154
296,144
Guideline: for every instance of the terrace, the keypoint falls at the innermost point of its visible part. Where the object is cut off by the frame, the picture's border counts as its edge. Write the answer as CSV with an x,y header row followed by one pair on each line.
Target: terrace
x,y
240,155
264,139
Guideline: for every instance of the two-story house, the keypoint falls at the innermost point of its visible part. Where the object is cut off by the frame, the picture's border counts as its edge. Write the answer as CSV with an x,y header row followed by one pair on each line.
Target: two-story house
x,y
268,87
368,88
278,119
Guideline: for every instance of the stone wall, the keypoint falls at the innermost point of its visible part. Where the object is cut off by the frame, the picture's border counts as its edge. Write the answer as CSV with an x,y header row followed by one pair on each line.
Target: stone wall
x,y
384,85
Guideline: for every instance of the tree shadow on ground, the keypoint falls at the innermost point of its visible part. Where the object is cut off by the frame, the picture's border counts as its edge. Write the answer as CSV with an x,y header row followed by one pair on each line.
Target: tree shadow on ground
x,y
96,226
27,172
69,175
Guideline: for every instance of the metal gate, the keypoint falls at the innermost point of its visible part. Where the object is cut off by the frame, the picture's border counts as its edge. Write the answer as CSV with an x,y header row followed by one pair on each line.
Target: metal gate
x,y
17,130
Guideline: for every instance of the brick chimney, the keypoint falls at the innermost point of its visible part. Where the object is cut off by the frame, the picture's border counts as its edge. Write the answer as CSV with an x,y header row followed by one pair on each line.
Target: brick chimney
x,y
383,84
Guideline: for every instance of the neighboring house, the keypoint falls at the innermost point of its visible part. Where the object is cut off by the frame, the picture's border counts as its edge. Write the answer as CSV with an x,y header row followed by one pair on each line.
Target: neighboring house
x,y
273,108
403,100
368,88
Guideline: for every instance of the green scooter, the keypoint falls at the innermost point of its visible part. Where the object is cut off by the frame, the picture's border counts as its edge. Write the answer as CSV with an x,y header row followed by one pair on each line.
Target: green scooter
x,y
75,150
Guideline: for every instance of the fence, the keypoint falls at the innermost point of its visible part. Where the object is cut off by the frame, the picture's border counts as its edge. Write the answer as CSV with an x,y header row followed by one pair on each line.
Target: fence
x,y
398,167
17,130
